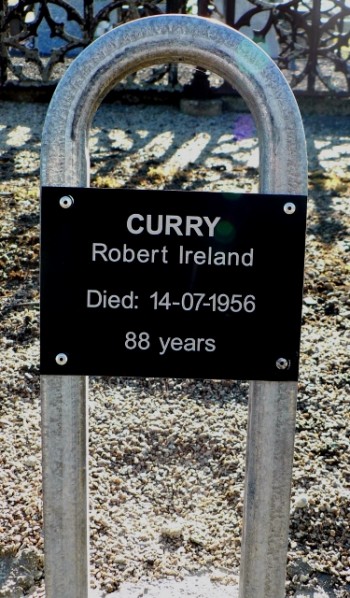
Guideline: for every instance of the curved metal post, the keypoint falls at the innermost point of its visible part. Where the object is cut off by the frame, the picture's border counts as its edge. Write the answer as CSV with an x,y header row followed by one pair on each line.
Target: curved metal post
x,y
283,169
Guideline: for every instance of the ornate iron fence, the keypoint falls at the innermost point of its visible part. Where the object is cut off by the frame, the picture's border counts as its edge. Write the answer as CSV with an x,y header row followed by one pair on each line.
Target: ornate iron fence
x,y
309,39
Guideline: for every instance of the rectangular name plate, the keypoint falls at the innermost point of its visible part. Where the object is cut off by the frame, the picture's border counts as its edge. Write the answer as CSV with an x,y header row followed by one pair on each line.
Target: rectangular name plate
x,y
171,283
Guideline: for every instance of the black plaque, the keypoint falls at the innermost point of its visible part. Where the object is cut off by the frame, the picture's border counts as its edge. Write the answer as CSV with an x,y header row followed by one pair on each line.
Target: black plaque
x,y
171,283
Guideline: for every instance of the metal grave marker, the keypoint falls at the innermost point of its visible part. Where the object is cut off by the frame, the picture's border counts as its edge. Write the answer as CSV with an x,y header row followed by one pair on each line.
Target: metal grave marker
x,y
209,45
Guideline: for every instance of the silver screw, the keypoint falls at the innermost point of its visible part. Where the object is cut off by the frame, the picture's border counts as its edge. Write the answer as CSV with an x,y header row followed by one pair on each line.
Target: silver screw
x,y
61,359
282,363
66,201
289,207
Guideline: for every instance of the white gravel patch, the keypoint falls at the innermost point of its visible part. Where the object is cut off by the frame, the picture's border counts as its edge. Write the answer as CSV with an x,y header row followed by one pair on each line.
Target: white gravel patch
x,y
167,456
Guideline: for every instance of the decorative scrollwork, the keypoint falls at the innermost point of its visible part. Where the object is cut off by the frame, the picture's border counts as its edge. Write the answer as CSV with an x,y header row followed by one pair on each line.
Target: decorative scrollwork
x,y
309,39
38,37
315,46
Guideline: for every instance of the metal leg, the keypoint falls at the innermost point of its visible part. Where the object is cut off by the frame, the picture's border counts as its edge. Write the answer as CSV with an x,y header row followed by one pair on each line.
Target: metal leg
x,y
65,472
269,461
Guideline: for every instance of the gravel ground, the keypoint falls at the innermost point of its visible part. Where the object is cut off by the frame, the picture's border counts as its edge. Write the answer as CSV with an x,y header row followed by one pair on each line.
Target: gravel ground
x,y
167,456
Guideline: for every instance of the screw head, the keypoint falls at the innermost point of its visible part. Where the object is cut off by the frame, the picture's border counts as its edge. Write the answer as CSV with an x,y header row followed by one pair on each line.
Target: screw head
x,y
61,359
66,201
289,208
282,363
